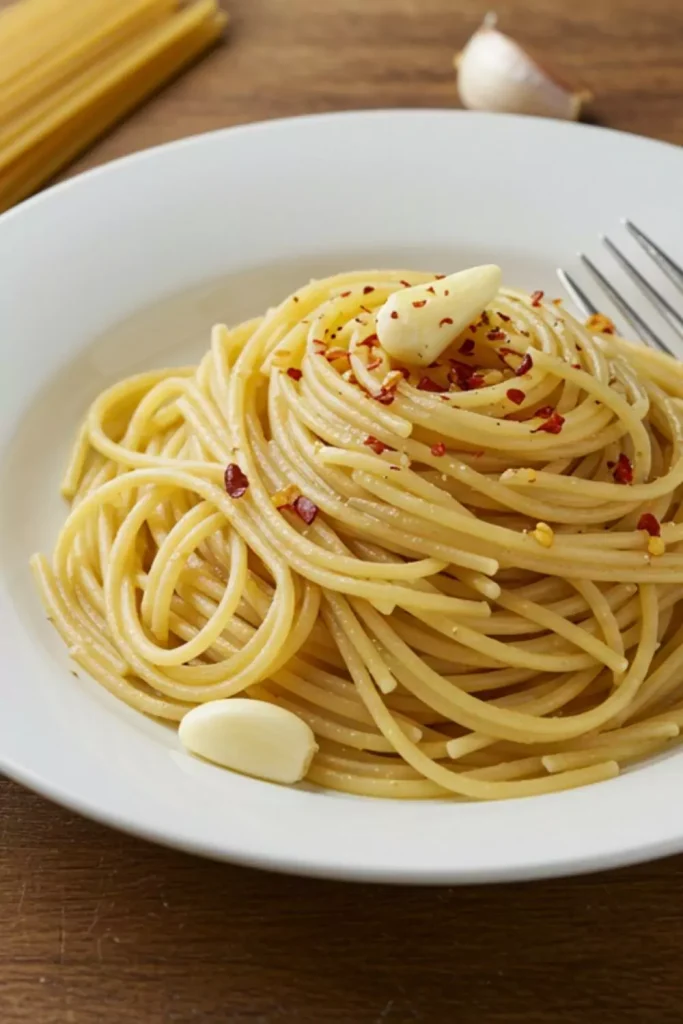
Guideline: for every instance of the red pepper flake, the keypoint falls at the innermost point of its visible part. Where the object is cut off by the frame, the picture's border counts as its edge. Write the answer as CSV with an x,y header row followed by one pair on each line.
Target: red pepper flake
x,y
305,509
496,335
525,365
536,298
545,412
427,384
505,350
623,470
485,318
650,524
557,302
370,341
404,370
435,365
438,449
467,347
344,295
386,396
475,381
460,373
420,303
368,288
394,315
503,317
236,482
431,290
295,298
439,277
377,446
374,364
445,320
516,396
406,284
576,366
553,425
294,373
446,291
366,310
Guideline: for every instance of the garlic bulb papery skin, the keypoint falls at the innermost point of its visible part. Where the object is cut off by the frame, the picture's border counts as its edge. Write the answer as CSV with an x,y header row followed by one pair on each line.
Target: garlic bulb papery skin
x,y
495,73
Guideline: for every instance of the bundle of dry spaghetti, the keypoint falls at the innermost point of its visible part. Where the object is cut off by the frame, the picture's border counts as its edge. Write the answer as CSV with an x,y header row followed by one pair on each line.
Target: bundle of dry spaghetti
x,y
69,69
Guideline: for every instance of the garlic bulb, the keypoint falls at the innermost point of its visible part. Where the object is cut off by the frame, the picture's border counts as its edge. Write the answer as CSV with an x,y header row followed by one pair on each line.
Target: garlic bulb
x,y
495,73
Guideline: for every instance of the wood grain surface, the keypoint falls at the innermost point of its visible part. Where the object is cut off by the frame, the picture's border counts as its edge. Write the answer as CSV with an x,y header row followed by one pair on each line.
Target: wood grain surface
x,y
100,928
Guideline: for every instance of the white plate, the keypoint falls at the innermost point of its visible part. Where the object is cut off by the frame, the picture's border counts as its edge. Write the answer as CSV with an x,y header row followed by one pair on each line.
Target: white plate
x,y
254,211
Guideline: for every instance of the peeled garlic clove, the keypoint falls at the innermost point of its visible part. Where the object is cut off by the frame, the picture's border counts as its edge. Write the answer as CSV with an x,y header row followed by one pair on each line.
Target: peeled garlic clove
x,y
415,325
252,737
495,73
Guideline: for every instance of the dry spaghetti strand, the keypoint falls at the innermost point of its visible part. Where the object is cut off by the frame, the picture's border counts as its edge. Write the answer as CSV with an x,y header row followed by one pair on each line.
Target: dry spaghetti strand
x,y
68,72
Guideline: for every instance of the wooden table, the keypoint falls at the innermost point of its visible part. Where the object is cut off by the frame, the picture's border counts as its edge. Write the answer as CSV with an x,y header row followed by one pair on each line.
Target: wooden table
x,y
99,928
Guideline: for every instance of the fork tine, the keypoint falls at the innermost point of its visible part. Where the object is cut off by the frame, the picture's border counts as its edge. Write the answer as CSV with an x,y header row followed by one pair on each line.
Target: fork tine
x,y
644,331
576,293
664,262
664,307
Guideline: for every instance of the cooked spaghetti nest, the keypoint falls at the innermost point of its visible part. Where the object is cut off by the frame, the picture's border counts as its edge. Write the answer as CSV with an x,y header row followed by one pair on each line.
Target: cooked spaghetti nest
x,y
467,579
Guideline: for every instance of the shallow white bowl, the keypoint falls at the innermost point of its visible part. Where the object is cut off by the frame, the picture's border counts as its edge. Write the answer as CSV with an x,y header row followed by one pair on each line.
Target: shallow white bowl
x,y
128,267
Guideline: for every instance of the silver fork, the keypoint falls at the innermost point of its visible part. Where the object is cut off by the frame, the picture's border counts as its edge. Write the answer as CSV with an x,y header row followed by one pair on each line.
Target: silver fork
x,y
672,270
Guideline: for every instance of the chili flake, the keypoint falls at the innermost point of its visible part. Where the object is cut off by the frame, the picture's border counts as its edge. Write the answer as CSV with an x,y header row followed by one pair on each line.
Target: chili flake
x,y
344,295
650,524
305,509
377,446
419,303
525,365
515,396
438,449
503,317
439,277
445,320
544,412
431,290
536,298
374,364
236,482
371,340
623,470
553,425
394,314
368,288
496,335
294,373
406,284
427,384
467,347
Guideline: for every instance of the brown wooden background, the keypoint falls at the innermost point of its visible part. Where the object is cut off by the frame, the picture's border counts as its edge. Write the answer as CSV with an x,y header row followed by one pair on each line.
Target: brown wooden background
x,y
99,928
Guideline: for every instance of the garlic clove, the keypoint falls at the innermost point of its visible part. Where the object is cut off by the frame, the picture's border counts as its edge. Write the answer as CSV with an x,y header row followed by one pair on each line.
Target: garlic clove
x,y
495,73
415,325
252,737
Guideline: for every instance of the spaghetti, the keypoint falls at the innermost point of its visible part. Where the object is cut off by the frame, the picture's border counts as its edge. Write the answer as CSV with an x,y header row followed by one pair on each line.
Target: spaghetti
x,y
68,71
467,579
